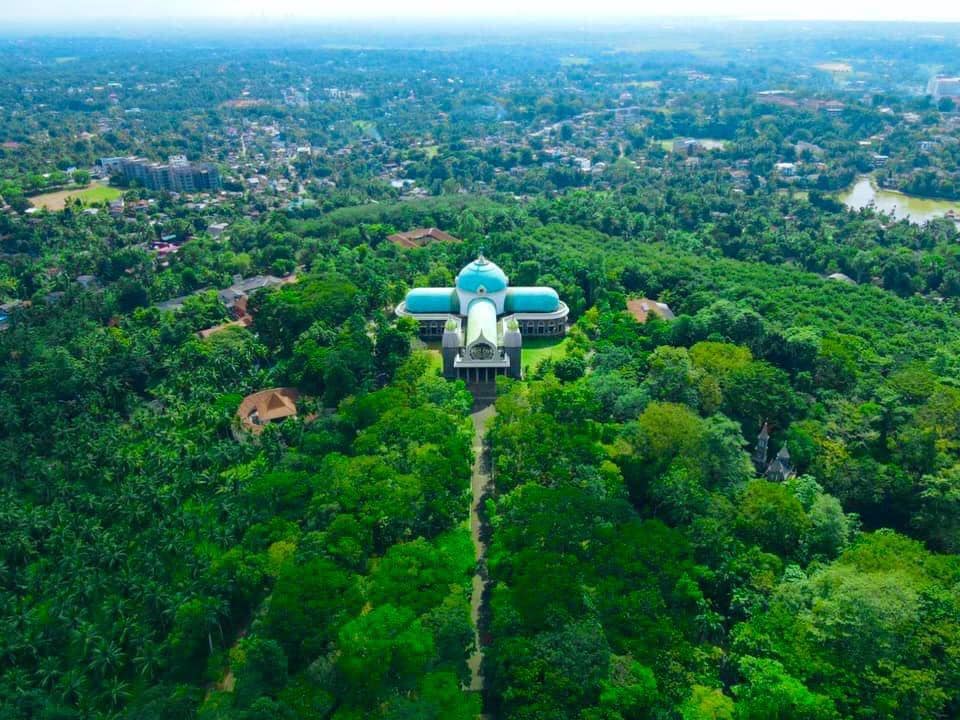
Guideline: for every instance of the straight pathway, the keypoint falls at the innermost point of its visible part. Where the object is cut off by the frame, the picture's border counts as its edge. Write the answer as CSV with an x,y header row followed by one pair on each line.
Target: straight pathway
x,y
481,485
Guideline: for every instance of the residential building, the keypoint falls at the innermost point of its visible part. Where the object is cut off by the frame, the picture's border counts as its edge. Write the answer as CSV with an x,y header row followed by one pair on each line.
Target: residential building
x,y
216,229
420,237
941,87
177,175
686,146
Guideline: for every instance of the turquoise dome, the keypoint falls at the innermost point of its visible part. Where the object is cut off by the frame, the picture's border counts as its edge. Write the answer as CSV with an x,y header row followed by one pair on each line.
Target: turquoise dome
x,y
432,300
531,299
482,276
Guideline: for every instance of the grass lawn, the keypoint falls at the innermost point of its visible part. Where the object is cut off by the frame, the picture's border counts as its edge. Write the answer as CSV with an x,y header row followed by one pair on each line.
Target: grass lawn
x,y
98,194
368,128
535,350
432,350
91,194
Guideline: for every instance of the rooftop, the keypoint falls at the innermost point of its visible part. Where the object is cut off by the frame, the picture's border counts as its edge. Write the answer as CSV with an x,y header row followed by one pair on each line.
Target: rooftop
x,y
641,308
420,237
266,406
482,276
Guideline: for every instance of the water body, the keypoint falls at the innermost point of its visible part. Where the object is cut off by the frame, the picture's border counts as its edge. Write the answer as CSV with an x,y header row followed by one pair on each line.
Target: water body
x,y
909,207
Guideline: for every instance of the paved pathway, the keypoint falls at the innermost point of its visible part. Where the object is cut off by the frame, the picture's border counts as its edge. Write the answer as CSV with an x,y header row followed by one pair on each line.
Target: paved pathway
x,y
481,485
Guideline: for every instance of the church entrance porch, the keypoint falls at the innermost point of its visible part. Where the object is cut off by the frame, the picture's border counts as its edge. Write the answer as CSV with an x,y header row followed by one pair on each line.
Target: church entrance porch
x,y
479,374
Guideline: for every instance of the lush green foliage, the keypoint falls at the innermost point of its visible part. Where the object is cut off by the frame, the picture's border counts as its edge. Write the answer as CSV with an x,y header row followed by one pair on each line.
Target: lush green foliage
x,y
157,563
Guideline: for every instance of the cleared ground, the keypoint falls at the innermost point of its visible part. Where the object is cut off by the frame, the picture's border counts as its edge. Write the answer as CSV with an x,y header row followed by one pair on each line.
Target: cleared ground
x,y
90,195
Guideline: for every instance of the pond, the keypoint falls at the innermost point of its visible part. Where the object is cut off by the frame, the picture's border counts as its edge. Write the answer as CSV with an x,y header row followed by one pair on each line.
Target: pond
x,y
910,207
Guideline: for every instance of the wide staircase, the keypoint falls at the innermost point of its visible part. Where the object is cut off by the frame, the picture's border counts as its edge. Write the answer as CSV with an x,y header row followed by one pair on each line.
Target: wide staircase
x,y
483,392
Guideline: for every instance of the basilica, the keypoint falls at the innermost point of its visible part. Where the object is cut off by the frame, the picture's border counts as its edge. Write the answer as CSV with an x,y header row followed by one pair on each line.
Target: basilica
x,y
482,321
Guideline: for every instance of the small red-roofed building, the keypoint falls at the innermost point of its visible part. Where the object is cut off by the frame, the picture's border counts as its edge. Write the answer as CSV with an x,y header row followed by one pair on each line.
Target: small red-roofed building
x,y
421,237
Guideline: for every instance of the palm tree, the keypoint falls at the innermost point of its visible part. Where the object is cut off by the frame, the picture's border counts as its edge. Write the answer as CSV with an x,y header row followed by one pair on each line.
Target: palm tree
x,y
72,685
106,658
149,659
48,671
117,691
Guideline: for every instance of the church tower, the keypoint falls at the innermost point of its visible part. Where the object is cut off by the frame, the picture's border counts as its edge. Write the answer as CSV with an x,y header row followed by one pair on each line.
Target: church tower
x,y
512,342
760,454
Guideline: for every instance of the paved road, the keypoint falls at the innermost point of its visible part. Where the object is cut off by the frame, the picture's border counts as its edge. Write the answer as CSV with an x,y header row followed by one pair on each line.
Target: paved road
x,y
481,485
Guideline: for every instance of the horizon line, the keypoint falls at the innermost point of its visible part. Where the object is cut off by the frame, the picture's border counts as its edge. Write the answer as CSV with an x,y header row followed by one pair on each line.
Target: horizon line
x,y
500,19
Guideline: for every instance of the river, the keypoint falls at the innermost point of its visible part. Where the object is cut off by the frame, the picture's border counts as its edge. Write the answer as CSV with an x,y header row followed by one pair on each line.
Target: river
x,y
910,207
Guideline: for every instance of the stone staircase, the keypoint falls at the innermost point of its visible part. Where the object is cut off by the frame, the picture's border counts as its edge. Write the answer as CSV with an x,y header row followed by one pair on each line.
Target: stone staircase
x,y
483,392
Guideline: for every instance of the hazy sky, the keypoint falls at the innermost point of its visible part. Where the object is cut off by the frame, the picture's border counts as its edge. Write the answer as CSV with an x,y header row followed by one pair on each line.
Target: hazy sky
x,y
65,10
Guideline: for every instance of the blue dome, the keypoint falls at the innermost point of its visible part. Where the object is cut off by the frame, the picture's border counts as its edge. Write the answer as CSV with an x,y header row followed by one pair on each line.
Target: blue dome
x,y
432,300
482,276
531,299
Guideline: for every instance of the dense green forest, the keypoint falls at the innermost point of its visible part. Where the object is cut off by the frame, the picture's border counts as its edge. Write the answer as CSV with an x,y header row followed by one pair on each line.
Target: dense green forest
x,y
157,562
639,566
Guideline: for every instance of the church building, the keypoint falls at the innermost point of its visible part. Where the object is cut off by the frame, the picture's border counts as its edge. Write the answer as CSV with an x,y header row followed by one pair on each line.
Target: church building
x,y
482,321
779,469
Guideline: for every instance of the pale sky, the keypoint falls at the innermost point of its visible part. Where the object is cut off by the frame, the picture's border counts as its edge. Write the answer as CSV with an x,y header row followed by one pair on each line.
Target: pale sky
x,y
581,10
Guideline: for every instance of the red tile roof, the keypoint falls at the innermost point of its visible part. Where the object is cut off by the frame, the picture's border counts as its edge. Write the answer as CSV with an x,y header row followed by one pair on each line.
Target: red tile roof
x,y
420,237
265,406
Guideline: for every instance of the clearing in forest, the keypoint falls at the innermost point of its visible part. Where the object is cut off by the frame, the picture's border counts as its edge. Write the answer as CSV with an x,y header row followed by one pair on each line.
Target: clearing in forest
x,y
536,350
89,195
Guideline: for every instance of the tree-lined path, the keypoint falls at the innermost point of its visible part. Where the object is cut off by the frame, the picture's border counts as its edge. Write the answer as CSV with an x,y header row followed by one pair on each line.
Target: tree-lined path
x,y
481,487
